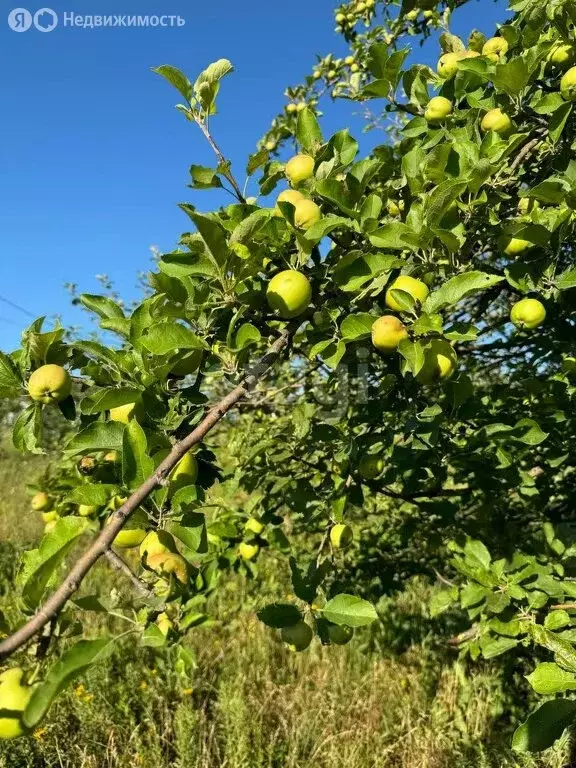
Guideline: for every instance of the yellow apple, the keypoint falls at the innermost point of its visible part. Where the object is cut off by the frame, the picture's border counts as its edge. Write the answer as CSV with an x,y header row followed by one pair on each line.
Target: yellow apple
x,y
341,536
298,637
528,313
438,109
339,635
306,213
41,502
562,55
495,48
568,85
416,288
299,168
253,525
248,551
164,624
448,65
50,517
50,384
125,413
291,108
289,196
387,332
289,293
497,121
14,698
49,527
111,457
514,246
134,531
169,564
371,466
439,362
157,543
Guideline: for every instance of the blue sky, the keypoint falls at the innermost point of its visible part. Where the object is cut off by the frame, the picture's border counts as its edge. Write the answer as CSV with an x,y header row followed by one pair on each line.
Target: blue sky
x,y
94,158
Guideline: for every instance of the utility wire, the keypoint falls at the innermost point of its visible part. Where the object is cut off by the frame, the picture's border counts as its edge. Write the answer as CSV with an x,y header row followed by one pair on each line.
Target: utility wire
x,y
16,306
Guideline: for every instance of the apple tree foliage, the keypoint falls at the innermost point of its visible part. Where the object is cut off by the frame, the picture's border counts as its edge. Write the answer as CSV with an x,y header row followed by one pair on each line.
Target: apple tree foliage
x,y
463,469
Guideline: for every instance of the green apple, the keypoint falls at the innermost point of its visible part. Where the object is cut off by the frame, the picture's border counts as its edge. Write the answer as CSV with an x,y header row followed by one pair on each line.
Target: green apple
x,y
289,293
568,85
298,637
495,48
291,108
448,65
569,364
134,531
111,457
438,109
439,362
50,384
14,698
125,413
253,525
87,510
514,246
41,502
290,196
528,313
394,207
248,551
416,288
169,564
562,55
299,168
371,466
339,635
341,536
387,332
306,213
498,121
50,516
340,18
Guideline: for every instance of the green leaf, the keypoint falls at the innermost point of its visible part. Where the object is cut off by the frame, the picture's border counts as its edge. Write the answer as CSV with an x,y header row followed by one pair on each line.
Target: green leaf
x,y
10,380
27,430
176,78
529,432
39,565
413,353
98,400
511,77
395,235
566,279
102,306
99,436
72,664
251,225
357,326
137,466
204,178
247,334
548,678
278,615
92,494
442,600
496,646
168,337
213,237
476,552
544,726
191,531
349,610
455,289
207,83
308,133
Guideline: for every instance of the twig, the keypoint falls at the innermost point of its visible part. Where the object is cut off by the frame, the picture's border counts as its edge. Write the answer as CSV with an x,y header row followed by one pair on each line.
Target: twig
x,y
463,636
225,165
103,541
118,564
523,154
564,607
443,579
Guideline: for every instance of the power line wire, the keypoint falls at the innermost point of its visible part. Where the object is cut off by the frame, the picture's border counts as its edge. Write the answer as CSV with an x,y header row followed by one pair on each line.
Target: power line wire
x,y
16,306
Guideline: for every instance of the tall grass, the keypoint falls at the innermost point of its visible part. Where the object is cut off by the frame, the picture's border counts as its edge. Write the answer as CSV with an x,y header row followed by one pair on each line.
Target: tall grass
x,y
250,703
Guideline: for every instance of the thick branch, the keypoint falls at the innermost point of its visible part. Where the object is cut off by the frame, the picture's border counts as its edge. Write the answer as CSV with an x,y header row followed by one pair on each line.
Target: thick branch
x,y
103,541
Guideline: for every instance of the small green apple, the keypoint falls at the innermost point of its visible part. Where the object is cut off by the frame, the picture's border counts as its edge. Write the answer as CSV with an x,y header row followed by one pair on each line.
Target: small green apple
x,y
387,333
495,48
339,635
439,362
14,698
498,121
306,213
561,55
248,551
371,466
298,637
568,85
341,536
253,525
448,65
50,384
299,168
289,293
416,288
437,110
528,313
41,502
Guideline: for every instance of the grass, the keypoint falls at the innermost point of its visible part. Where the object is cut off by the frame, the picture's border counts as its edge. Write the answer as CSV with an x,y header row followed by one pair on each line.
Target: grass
x,y
250,703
